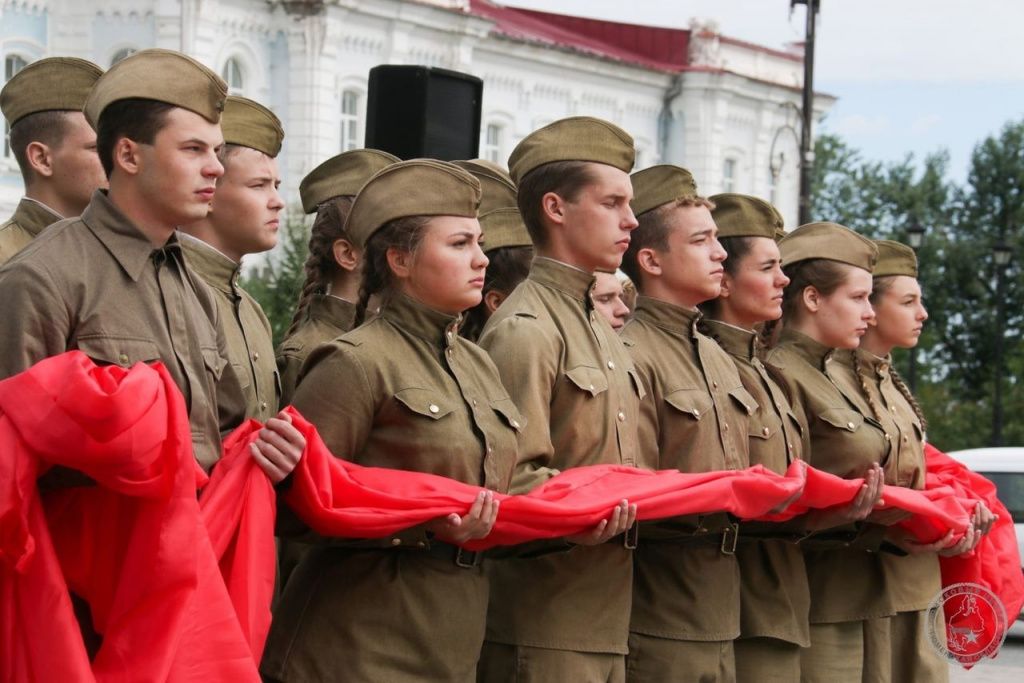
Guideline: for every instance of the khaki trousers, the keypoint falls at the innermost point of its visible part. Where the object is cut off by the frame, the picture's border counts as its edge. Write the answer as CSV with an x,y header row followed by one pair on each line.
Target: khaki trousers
x,y
897,648
766,660
500,663
657,660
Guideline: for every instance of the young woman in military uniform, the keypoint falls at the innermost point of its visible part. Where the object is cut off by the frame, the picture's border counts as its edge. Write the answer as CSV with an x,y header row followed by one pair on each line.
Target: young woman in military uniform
x,y
774,596
912,580
327,303
404,391
825,307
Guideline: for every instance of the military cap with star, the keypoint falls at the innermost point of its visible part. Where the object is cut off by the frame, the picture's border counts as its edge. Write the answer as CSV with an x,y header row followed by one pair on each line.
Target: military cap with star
x,y
659,185
828,241
250,124
579,138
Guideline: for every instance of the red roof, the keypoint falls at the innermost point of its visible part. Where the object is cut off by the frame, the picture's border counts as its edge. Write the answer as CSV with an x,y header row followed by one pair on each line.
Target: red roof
x,y
664,49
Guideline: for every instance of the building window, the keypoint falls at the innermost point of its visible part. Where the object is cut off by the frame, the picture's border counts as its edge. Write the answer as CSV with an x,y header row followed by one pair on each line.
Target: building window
x,y
12,65
729,175
349,120
492,143
232,74
121,54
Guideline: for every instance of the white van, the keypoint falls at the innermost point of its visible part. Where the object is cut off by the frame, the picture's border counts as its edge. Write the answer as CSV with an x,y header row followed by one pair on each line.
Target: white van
x,y
1004,467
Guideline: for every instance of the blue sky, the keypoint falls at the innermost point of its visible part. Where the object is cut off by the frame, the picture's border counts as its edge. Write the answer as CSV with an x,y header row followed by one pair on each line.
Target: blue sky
x,y
911,75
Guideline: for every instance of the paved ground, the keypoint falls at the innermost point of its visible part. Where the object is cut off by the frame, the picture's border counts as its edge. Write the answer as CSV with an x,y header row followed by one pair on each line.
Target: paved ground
x,y
1008,667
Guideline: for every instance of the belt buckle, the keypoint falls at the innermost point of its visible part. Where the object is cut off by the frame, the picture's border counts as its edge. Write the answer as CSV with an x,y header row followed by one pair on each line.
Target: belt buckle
x,y
462,561
730,536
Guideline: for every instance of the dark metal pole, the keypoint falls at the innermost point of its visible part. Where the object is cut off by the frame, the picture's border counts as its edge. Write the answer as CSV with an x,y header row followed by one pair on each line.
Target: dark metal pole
x,y
997,400
806,140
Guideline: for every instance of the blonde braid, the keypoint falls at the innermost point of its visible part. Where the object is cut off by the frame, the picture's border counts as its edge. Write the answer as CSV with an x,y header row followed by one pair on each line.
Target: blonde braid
x,y
897,382
864,386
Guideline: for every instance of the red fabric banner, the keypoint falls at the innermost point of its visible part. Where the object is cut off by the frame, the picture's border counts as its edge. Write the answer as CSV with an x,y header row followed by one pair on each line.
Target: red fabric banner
x,y
180,588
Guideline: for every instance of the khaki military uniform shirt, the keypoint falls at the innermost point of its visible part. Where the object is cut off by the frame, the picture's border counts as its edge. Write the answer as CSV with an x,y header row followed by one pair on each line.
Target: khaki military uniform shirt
x,y
28,221
246,328
96,284
913,581
695,419
847,580
403,391
774,595
571,377
326,318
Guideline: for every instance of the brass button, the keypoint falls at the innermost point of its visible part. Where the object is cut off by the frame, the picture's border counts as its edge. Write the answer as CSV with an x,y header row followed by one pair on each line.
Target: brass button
x,y
123,359
904,439
621,416
696,412
515,425
434,409
611,365
887,437
726,426
714,384
474,402
256,355
849,425
419,544
396,541
591,387
765,431
490,450
449,335
263,405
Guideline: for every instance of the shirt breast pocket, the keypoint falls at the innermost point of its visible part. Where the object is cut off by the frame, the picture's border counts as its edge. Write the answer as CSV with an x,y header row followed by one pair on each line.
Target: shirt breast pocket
x,y
123,351
508,413
588,379
426,403
695,403
842,418
215,363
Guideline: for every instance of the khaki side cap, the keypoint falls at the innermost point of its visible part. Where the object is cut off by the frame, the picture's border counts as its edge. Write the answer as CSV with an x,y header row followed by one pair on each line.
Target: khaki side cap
x,y
160,75
579,138
343,175
658,185
828,241
250,124
418,187
50,84
742,215
895,258
499,192
504,228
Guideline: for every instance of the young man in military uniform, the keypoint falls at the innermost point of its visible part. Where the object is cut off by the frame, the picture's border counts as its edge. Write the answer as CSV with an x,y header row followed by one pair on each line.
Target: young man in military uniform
x,y
113,282
243,219
686,590
53,143
564,616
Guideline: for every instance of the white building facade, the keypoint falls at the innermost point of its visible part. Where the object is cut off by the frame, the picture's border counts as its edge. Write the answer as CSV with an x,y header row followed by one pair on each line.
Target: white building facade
x,y
725,109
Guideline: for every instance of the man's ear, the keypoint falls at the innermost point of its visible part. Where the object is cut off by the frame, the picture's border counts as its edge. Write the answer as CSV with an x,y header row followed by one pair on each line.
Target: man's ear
x,y
126,156
345,255
552,206
40,159
649,261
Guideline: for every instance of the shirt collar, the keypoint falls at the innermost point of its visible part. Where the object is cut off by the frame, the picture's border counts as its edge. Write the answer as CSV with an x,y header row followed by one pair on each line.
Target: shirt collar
x,y
879,365
438,329
332,310
735,340
32,216
123,240
220,271
562,277
814,352
675,319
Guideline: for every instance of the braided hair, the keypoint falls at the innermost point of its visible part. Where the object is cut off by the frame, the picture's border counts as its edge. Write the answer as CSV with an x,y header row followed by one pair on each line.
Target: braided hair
x,y
320,267
864,386
404,234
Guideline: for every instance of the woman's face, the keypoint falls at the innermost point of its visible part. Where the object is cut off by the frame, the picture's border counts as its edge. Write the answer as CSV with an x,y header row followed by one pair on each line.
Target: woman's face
x,y
899,314
840,319
446,272
752,294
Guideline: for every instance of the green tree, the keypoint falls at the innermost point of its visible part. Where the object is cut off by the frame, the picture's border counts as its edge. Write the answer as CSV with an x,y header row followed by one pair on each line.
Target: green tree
x,y
276,282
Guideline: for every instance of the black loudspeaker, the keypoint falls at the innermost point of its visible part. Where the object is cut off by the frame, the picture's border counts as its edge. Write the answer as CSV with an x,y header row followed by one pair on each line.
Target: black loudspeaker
x,y
419,111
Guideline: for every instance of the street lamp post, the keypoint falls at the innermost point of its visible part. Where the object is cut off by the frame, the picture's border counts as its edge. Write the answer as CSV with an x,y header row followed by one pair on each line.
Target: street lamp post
x,y
1001,254
915,238
806,151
